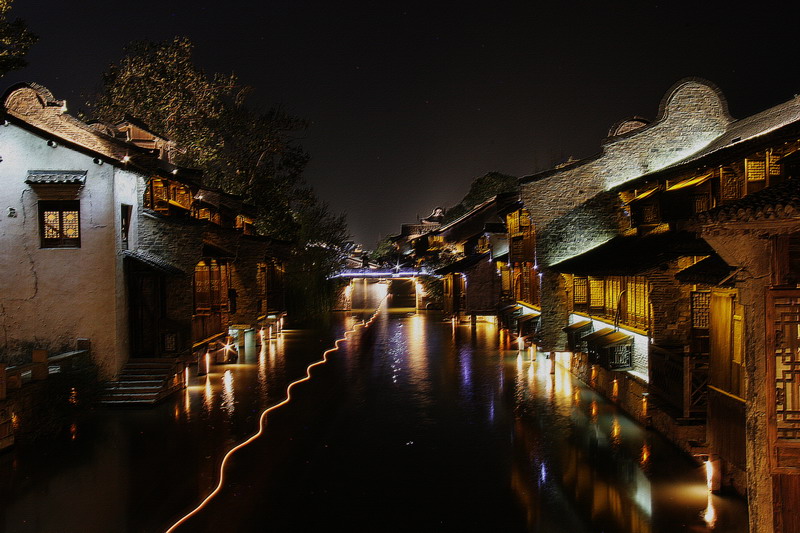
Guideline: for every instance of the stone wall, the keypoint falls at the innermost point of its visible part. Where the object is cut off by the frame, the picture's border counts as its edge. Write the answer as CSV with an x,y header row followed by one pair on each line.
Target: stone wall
x,y
483,289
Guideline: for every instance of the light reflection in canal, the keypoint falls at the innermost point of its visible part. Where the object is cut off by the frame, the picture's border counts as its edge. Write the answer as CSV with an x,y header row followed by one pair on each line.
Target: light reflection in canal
x,y
496,442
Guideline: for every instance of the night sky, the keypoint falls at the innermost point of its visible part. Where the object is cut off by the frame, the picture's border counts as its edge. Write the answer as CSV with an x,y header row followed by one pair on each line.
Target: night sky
x,y
409,101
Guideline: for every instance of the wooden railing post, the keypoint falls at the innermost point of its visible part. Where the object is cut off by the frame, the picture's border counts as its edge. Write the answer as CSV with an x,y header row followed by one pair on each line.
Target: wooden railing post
x,y
39,360
3,381
687,384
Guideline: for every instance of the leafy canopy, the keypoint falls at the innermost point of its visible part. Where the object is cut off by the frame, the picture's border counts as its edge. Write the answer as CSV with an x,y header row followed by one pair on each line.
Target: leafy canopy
x,y
482,188
240,149
15,40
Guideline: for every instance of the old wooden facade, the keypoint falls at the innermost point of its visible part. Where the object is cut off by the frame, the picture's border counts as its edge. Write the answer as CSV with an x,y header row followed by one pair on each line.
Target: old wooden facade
x,y
666,280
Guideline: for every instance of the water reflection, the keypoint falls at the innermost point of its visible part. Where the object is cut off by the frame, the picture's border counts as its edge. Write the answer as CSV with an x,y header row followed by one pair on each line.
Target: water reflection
x,y
439,420
227,392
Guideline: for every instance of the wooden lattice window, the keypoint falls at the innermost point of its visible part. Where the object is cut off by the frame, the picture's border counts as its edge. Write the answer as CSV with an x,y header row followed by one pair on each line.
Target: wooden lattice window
x,y
701,203
783,380
701,304
59,224
202,287
613,290
755,169
596,293
181,196
650,213
580,291
637,301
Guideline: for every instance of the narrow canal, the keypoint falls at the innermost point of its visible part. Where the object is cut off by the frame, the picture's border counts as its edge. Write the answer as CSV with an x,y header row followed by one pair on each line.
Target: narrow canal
x,y
415,425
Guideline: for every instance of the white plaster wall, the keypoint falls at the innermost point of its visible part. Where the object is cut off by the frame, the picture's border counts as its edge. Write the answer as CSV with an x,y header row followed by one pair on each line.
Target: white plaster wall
x,y
50,297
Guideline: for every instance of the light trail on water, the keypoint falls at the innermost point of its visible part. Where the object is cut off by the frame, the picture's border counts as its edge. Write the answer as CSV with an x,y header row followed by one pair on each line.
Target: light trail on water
x,y
263,418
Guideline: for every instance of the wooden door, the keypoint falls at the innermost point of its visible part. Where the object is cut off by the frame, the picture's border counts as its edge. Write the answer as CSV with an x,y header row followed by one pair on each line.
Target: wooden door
x,y
145,313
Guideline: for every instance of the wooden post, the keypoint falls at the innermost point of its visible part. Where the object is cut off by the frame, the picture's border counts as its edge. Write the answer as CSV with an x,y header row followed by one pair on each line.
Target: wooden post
x,y
687,384
552,362
39,370
2,381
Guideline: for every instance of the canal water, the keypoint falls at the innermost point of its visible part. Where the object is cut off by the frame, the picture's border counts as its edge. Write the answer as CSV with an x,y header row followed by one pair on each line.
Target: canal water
x,y
416,424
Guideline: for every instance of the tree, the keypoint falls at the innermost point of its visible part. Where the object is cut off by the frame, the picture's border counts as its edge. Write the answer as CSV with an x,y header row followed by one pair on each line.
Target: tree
x,y
482,188
242,150
15,40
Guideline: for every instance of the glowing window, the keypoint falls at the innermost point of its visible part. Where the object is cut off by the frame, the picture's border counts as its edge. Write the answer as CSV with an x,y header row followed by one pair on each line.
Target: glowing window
x,y
59,223
580,294
596,292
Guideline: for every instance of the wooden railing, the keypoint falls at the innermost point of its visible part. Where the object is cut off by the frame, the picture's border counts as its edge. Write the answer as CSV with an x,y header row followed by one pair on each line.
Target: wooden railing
x,y
41,366
681,380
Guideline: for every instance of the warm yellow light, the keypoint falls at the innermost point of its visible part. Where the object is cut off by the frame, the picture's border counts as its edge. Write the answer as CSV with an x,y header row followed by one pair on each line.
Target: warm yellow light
x,y
263,417
645,453
208,362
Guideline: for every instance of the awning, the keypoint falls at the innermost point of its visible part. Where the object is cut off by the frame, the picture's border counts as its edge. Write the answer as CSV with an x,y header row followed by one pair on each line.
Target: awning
x,y
593,337
712,270
56,177
629,255
176,204
689,182
210,250
153,261
581,324
463,264
645,194
615,338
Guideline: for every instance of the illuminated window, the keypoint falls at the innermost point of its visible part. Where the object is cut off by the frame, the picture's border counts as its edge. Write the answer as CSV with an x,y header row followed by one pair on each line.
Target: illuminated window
x,y
637,301
755,169
596,292
701,304
580,288
59,223
125,224
613,290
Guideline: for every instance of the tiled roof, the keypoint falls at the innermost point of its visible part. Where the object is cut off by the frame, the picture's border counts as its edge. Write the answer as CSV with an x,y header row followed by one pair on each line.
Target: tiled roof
x,y
56,177
153,261
629,255
712,271
751,127
778,202
463,264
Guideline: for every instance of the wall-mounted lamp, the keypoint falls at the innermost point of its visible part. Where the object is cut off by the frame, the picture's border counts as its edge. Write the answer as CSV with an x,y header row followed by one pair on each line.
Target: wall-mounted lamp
x,y
52,144
97,161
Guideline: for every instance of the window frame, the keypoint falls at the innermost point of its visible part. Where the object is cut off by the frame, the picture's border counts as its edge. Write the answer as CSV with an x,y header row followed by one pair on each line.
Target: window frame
x,y
61,206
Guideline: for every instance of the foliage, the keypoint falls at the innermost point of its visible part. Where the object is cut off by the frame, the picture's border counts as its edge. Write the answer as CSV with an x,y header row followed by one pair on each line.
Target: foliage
x,y
482,188
385,252
241,150
15,40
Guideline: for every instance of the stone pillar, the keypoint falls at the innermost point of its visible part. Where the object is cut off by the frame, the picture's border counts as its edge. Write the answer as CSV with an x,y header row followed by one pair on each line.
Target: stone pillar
x,y
39,359
555,311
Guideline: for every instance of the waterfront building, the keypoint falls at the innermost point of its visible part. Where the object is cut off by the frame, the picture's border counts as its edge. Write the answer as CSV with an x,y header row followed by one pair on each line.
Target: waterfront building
x,y
104,238
657,259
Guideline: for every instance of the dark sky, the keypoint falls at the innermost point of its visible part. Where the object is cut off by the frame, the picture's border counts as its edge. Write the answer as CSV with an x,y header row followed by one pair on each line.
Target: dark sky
x,y
409,101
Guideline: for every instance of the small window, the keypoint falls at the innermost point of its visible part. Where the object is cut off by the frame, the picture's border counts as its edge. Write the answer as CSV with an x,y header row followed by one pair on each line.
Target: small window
x,y
59,223
125,224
